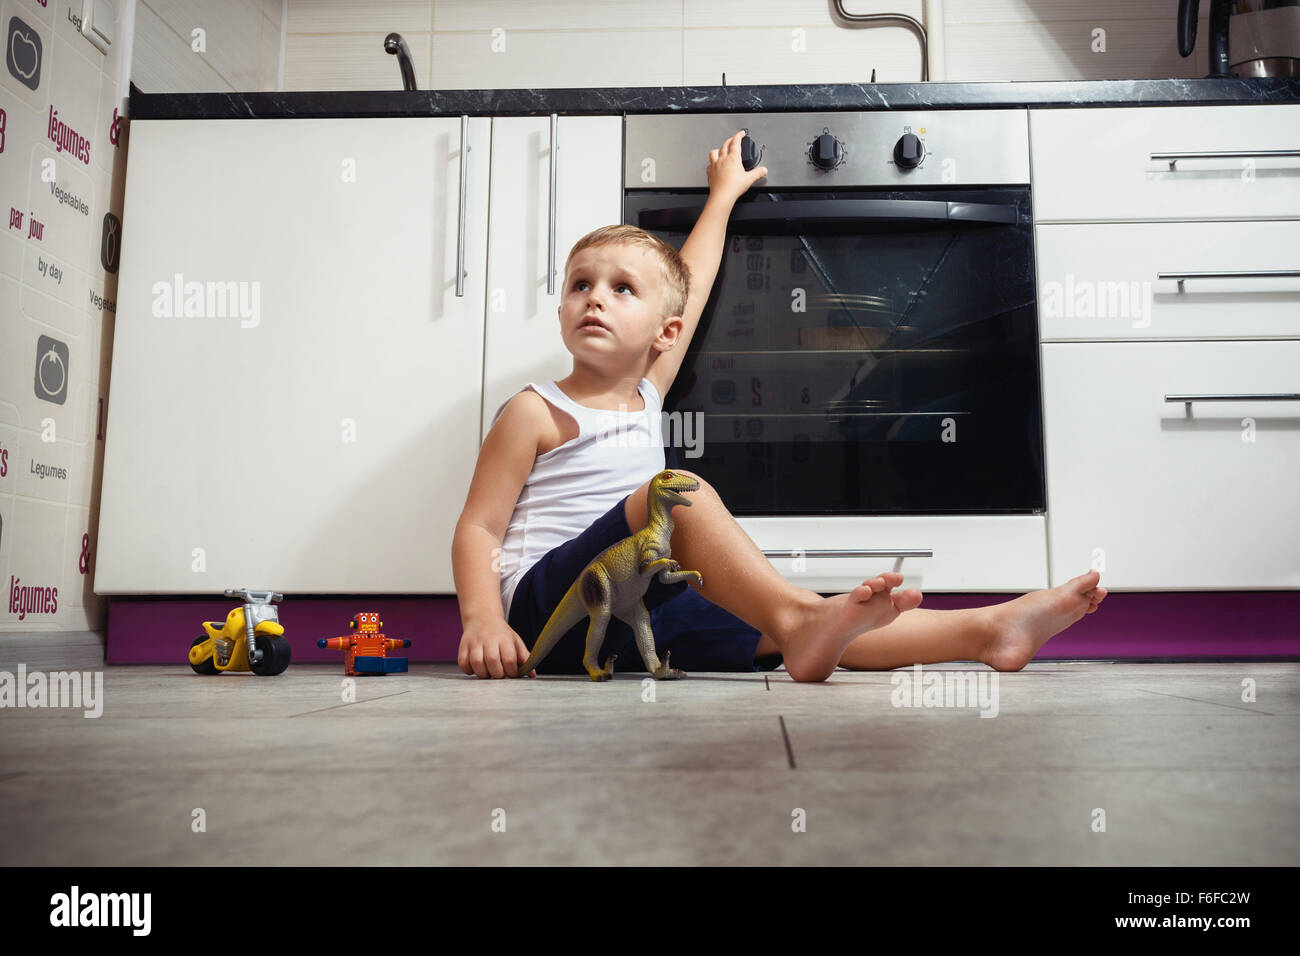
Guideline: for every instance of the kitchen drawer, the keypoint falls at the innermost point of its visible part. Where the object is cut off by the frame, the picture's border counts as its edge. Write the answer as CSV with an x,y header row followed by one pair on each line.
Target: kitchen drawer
x,y
970,552
1096,164
1171,498
1101,280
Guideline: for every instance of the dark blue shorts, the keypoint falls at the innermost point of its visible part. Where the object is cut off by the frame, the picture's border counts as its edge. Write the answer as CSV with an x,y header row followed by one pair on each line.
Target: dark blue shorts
x,y
700,635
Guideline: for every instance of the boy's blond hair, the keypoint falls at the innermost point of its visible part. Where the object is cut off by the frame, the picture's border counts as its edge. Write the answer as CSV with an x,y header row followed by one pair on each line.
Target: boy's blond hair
x,y
674,275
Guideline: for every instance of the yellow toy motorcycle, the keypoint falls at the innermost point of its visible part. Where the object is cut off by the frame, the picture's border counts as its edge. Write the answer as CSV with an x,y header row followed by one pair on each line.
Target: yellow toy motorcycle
x,y
250,638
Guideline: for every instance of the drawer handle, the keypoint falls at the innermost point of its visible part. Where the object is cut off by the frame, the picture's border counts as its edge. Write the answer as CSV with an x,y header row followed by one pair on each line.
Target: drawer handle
x,y
1278,397
1172,158
555,168
460,224
1254,274
867,553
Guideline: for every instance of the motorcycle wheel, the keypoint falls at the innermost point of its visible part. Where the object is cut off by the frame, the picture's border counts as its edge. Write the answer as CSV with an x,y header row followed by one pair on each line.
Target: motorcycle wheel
x,y
209,666
275,656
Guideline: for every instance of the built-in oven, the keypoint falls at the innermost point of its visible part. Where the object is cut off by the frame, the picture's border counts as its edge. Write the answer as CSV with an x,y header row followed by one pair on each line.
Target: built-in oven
x,y
870,345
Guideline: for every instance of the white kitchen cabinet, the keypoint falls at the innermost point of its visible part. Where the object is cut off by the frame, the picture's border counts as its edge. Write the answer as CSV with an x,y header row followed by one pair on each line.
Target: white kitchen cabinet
x,y
1103,280
1156,279
523,327
1168,496
1097,164
321,440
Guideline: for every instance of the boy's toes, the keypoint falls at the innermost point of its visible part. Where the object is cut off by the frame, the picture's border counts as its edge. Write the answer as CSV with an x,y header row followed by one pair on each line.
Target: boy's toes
x,y
1095,596
1088,580
906,600
881,582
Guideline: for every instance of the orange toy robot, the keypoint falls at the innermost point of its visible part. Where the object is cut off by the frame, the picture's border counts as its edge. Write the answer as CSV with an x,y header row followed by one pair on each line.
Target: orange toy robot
x,y
366,648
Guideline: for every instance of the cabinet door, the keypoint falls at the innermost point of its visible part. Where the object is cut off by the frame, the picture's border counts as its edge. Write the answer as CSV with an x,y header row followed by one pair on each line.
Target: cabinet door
x,y
295,384
523,326
1170,496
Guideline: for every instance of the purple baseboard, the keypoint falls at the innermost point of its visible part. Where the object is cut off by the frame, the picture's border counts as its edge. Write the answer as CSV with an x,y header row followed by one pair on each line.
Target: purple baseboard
x,y
145,630
1134,626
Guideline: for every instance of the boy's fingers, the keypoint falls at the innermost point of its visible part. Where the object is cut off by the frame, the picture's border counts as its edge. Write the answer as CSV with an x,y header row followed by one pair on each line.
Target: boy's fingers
x,y
524,654
514,656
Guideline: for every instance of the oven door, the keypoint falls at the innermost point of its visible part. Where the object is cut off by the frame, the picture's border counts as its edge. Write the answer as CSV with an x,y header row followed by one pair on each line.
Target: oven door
x,y
863,352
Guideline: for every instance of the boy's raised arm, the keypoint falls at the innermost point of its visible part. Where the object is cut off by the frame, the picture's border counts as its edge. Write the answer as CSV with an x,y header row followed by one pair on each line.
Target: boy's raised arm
x,y
702,251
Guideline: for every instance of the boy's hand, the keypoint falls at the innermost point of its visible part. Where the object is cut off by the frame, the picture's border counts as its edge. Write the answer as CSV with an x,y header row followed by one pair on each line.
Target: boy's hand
x,y
728,178
492,650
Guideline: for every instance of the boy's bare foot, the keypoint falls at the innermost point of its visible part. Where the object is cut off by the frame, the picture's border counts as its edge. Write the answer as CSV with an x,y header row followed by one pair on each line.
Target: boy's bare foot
x,y
815,642
1021,626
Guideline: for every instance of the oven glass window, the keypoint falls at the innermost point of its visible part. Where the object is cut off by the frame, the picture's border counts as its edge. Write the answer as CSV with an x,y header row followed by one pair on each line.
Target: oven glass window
x,y
862,352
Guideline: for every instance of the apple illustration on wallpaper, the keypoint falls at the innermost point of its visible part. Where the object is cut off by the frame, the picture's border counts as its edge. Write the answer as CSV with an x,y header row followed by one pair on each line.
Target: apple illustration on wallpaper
x,y
24,52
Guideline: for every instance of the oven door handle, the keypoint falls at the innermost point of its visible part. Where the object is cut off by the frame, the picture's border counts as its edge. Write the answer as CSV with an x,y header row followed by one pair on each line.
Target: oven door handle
x,y
837,210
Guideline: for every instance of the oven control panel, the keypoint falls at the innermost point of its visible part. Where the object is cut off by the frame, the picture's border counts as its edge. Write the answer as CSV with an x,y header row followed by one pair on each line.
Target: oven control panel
x,y
833,150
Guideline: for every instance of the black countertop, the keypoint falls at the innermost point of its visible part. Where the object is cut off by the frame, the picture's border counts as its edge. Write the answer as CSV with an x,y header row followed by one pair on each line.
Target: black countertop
x,y
714,99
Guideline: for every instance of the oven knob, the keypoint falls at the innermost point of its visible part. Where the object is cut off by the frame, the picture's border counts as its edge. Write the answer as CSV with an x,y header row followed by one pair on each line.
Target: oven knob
x,y
826,151
748,153
908,151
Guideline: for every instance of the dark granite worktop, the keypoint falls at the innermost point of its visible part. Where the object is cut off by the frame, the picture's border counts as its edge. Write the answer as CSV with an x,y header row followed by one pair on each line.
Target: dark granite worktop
x,y
810,97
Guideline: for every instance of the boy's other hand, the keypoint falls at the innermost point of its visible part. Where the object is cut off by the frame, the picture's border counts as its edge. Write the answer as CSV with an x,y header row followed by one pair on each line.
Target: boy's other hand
x,y
492,650
728,177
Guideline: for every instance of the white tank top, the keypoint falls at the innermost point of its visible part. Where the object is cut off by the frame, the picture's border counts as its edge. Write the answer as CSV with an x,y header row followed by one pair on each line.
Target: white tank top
x,y
575,483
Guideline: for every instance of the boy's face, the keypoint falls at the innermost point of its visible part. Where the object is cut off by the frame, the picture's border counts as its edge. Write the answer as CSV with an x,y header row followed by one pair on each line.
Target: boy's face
x,y
620,286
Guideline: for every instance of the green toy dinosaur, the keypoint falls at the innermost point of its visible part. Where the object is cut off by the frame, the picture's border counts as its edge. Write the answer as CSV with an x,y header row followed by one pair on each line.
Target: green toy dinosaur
x,y
615,581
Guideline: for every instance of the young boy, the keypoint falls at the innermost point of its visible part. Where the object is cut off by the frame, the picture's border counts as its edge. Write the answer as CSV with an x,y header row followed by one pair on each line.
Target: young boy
x,y
551,491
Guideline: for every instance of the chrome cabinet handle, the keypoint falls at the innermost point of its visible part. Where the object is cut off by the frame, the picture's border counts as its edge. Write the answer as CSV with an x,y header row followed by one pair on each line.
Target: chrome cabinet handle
x,y
866,553
555,169
460,225
1172,158
1251,274
1276,397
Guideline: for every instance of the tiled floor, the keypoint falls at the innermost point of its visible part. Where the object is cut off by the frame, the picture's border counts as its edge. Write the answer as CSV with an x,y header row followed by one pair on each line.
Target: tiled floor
x,y
717,769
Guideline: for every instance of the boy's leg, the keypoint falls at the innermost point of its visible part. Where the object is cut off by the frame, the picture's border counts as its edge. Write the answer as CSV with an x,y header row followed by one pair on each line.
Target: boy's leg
x,y
811,632
922,636
801,625
1005,636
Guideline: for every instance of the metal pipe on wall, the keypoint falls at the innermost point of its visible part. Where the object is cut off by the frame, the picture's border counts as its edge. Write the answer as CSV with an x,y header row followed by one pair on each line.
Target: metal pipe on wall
x,y
931,39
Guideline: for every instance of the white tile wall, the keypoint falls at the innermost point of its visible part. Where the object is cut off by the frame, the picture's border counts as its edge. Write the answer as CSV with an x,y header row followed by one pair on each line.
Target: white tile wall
x,y
241,40
501,44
